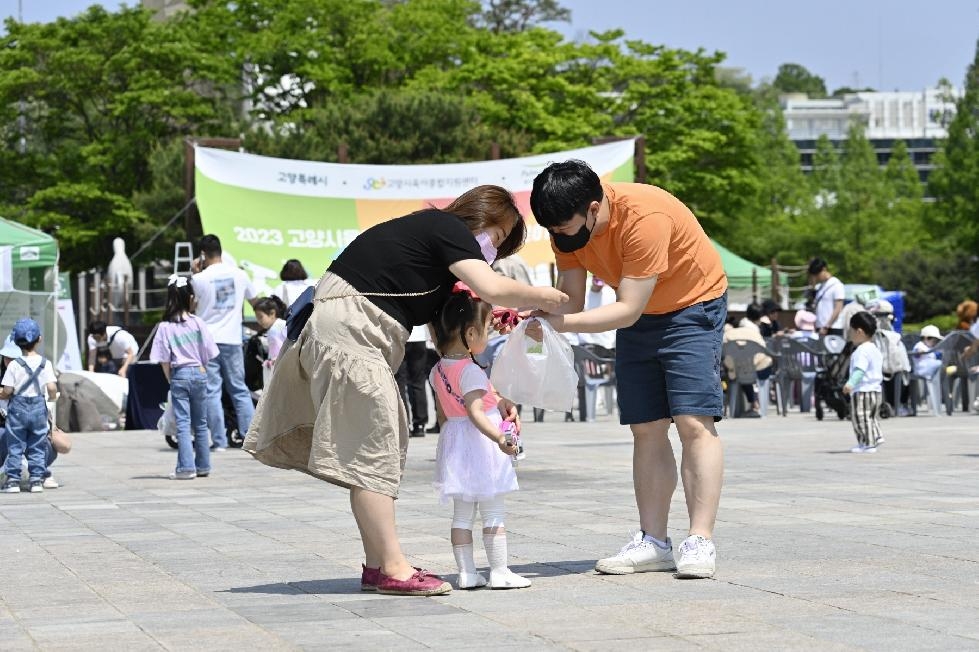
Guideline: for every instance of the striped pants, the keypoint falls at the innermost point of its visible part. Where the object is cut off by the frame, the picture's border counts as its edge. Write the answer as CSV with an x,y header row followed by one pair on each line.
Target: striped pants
x,y
864,413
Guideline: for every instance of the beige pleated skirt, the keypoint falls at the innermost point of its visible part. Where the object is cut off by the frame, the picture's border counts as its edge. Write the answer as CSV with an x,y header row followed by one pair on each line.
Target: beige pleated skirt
x,y
332,408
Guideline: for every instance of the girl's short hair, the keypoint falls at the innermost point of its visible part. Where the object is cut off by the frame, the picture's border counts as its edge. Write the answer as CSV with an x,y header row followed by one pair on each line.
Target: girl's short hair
x,y
271,305
178,301
459,312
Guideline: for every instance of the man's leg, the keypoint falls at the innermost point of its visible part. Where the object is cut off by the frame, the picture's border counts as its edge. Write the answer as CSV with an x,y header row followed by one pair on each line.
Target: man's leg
x,y
653,475
233,373
215,411
702,469
415,358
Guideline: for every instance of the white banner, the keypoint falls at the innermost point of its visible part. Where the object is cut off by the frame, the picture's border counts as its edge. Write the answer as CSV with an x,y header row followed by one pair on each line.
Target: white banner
x,y
393,182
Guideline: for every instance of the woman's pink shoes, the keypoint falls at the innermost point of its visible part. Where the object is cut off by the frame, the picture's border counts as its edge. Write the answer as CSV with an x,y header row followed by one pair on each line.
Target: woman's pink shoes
x,y
420,583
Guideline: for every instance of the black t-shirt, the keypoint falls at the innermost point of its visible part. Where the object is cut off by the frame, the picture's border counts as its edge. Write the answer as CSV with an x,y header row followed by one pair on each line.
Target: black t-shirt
x,y
408,254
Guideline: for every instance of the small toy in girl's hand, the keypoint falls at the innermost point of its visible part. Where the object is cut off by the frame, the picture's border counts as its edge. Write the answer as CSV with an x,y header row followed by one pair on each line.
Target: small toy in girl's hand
x,y
507,316
512,437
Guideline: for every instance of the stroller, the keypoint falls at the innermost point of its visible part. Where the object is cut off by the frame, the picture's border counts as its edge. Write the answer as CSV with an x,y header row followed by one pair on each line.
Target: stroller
x,y
831,376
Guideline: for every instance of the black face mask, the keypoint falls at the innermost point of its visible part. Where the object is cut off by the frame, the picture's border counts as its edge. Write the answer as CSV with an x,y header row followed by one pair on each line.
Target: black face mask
x,y
570,243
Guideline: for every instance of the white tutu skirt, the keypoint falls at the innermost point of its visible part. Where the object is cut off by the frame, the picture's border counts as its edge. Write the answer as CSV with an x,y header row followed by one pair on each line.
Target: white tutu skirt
x,y
469,466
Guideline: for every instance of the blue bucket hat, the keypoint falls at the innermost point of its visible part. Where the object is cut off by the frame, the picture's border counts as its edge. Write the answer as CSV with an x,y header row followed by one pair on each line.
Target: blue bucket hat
x,y
10,350
26,331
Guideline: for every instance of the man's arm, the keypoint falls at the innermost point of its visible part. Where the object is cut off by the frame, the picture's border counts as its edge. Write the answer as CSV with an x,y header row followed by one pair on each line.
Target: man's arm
x,y
572,282
91,359
631,299
837,309
130,358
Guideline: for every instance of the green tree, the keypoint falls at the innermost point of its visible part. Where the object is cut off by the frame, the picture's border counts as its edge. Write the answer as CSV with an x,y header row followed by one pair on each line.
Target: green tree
x,y
97,93
795,78
902,175
389,126
519,15
955,180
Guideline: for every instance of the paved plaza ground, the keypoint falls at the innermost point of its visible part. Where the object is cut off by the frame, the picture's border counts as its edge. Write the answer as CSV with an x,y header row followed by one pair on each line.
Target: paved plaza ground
x,y
817,549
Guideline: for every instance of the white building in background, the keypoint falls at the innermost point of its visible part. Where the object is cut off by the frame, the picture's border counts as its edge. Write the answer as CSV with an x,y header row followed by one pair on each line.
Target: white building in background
x,y
896,115
919,118
164,8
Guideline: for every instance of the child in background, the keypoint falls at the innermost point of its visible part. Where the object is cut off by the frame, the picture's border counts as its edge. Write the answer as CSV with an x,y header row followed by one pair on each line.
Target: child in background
x,y
27,428
927,361
474,466
270,313
864,384
183,346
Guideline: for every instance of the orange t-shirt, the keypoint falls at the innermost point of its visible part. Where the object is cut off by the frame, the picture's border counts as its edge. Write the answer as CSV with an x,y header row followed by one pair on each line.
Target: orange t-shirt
x,y
651,233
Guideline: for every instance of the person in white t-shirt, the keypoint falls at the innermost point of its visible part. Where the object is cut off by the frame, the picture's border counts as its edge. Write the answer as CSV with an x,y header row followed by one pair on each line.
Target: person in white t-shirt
x,y
294,281
115,341
24,385
221,290
828,299
864,385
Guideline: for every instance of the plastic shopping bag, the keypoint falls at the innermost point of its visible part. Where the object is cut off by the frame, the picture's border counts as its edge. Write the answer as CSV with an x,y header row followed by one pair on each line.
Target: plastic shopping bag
x,y
539,374
167,425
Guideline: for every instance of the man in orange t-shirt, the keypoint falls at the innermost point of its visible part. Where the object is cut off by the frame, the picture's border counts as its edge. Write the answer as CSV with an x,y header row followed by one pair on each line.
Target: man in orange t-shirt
x,y
670,308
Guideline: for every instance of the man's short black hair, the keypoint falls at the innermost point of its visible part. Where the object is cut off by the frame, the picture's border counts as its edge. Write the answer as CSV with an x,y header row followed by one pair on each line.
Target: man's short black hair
x,y
564,190
96,327
753,312
864,321
210,246
768,306
816,265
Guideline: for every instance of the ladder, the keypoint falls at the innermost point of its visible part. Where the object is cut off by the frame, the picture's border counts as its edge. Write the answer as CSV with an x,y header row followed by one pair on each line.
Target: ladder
x,y
183,257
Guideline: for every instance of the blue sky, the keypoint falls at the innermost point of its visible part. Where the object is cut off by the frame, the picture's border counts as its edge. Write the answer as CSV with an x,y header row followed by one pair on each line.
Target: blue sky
x,y
885,44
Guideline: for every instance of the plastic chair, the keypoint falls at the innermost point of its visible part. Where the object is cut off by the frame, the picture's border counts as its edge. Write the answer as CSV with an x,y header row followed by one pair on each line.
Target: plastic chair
x,y
594,372
952,348
797,363
742,353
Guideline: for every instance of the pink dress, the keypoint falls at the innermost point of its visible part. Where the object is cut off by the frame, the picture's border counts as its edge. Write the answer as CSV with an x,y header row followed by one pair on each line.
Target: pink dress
x,y
469,466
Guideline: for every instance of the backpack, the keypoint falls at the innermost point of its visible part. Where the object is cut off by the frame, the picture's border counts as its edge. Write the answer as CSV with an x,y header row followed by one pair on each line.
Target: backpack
x,y
76,411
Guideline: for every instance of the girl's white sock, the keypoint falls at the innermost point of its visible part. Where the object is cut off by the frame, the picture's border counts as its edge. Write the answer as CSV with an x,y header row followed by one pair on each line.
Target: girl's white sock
x,y
464,558
468,577
501,577
496,551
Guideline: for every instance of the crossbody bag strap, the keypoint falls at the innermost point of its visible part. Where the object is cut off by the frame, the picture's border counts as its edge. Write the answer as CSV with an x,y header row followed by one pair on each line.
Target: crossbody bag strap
x,y
448,386
33,379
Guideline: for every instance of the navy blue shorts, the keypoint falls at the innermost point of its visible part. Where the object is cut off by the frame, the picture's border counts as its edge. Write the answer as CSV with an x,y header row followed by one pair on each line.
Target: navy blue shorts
x,y
667,365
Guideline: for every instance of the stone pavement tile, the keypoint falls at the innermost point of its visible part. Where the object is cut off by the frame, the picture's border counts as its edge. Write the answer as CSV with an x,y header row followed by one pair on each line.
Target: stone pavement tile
x,y
14,637
766,638
457,630
872,633
230,637
316,612
632,644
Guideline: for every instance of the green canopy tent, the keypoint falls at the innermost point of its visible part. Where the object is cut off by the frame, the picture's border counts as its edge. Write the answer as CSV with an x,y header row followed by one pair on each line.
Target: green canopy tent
x,y
742,275
28,283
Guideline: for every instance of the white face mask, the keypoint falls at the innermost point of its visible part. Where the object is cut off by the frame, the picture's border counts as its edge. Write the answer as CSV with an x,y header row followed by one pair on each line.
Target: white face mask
x,y
486,246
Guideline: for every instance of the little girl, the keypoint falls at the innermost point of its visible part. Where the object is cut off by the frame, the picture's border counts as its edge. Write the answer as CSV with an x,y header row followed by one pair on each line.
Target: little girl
x,y
864,384
183,346
473,460
269,313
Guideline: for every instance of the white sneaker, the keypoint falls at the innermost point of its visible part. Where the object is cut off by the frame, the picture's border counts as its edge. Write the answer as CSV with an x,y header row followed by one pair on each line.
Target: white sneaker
x,y
858,449
696,558
638,556
470,580
507,579
51,483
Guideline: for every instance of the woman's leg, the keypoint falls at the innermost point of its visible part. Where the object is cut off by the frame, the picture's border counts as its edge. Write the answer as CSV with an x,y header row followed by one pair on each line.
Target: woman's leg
x,y
375,519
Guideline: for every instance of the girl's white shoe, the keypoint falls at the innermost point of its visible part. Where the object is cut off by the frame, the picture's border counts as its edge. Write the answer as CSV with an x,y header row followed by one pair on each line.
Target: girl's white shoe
x,y
470,580
507,579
